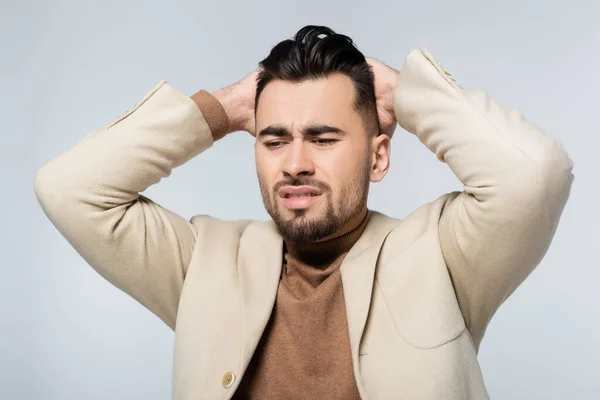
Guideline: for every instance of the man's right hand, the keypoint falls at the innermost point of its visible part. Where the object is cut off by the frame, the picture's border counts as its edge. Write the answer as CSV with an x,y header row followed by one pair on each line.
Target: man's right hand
x,y
238,101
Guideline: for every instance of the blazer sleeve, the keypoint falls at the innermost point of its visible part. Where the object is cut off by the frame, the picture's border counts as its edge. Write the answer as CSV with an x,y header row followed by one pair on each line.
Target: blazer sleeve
x,y
91,193
516,182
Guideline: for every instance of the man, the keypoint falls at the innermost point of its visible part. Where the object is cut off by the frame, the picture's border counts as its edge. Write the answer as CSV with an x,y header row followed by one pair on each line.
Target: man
x,y
329,300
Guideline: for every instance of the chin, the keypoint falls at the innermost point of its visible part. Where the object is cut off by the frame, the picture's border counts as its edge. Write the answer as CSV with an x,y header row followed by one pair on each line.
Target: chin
x,y
311,212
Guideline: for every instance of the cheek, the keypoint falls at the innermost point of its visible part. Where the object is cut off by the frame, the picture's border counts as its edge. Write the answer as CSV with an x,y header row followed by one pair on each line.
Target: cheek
x,y
339,168
346,177
337,180
267,172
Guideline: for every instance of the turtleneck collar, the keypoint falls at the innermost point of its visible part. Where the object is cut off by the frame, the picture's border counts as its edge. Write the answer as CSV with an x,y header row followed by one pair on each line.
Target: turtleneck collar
x,y
323,253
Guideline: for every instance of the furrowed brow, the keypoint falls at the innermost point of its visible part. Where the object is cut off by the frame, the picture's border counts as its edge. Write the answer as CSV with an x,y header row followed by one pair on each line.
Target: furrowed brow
x,y
312,130
320,129
273,130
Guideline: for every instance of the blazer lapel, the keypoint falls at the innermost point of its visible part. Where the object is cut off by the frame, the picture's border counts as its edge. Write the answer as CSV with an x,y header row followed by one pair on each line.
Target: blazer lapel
x,y
358,274
259,265
260,262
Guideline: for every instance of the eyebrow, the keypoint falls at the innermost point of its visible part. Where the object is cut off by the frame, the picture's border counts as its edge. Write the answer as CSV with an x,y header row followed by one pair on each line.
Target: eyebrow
x,y
312,130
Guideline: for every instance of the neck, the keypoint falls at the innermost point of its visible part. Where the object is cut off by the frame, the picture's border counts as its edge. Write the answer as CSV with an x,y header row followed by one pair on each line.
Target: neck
x,y
325,250
350,226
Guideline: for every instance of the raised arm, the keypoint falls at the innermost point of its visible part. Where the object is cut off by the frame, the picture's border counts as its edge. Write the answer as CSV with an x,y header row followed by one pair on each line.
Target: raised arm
x,y
91,192
516,182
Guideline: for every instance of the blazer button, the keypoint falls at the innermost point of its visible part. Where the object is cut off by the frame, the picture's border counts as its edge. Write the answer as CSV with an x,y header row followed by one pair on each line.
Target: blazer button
x,y
228,379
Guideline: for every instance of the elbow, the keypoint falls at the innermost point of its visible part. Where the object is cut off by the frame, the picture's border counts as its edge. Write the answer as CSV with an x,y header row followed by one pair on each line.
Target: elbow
x,y
549,185
46,188
41,187
546,178
556,168
556,159
40,184
552,168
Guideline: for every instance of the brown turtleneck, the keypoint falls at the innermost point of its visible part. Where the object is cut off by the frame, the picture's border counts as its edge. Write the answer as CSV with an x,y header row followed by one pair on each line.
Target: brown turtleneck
x,y
304,352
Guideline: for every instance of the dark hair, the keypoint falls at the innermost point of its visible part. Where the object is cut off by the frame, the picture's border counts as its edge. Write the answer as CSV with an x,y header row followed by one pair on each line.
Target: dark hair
x,y
307,56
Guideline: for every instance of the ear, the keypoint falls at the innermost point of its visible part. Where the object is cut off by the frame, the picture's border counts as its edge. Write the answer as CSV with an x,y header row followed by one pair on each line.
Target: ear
x,y
380,157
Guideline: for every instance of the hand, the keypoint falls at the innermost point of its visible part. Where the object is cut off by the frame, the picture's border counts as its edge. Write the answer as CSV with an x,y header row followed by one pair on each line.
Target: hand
x,y
385,81
238,101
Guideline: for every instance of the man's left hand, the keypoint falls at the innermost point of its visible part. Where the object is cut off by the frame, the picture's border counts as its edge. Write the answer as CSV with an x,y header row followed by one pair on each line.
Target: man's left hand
x,y
385,81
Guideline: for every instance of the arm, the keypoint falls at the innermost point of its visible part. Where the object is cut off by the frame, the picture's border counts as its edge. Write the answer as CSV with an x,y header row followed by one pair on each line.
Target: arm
x,y
516,183
91,193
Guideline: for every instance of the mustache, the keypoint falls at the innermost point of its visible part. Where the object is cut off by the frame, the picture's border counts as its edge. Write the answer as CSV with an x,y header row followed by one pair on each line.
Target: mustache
x,y
303,182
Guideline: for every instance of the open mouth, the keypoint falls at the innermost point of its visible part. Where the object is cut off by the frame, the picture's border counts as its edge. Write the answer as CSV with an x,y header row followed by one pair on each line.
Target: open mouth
x,y
298,191
298,197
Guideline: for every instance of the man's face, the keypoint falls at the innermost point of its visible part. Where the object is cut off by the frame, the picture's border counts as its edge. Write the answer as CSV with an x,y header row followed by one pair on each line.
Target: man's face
x,y
313,156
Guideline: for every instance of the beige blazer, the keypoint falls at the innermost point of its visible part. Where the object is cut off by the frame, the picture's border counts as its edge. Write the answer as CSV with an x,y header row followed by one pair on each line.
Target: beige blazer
x,y
419,292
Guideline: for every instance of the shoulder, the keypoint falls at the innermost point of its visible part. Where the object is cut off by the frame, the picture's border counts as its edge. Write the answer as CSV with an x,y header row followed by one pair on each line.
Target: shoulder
x,y
215,230
409,230
204,222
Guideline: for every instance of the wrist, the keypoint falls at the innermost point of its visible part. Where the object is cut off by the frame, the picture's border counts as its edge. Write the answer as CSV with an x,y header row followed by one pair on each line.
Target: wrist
x,y
213,112
234,107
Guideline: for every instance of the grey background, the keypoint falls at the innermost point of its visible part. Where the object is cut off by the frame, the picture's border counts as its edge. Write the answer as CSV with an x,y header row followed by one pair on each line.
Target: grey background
x,y
72,66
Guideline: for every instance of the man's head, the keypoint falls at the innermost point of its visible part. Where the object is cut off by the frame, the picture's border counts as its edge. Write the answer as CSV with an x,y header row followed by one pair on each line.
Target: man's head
x,y
318,145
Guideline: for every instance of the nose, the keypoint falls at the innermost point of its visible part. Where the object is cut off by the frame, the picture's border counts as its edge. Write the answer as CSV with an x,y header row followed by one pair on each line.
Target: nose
x,y
298,162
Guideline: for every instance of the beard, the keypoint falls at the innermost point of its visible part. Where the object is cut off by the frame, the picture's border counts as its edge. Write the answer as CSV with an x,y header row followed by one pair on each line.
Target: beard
x,y
301,228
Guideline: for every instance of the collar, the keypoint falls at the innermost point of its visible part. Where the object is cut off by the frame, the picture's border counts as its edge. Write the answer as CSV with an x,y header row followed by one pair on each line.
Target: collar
x,y
323,253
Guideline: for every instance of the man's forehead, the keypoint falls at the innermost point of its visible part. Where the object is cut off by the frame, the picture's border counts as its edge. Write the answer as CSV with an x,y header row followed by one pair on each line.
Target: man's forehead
x,y
335,89
327,101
